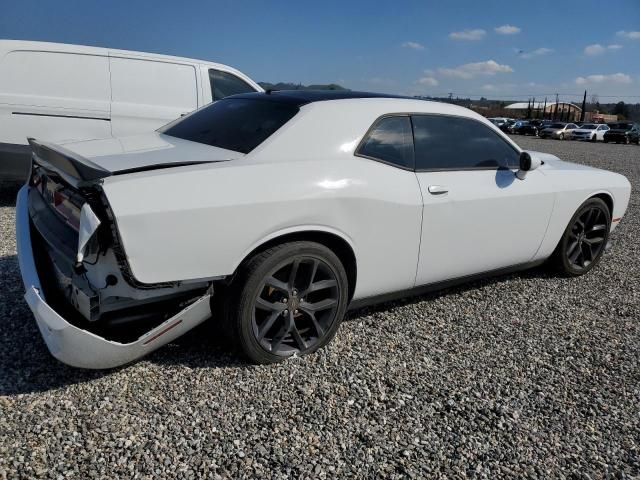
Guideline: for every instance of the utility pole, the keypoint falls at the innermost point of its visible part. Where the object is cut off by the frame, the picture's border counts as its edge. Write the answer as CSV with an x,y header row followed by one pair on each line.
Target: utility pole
x,y
450,97
555,110
584,106
544,110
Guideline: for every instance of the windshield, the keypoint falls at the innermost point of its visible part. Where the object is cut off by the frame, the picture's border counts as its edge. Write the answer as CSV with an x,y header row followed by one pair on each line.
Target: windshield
x,y
237,124
621,126
589,126
557,125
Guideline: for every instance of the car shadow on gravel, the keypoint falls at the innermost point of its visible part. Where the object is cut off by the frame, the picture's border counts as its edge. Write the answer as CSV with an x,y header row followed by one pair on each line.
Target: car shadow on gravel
x,y
27,367
8,193
539,272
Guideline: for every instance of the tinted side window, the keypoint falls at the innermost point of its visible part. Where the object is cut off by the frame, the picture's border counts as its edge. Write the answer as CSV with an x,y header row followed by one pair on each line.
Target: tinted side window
x,y
224,84
454,143
235,123
390,140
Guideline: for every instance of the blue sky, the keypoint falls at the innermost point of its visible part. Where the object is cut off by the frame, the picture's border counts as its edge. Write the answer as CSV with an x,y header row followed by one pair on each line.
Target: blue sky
x,y
407,47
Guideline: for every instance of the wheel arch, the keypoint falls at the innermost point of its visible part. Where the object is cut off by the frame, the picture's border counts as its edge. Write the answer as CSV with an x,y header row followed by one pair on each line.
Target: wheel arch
x,y
337,242
607,198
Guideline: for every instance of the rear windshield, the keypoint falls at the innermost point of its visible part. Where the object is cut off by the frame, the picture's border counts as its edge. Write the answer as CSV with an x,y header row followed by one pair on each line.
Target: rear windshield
x,y
621,126
237,124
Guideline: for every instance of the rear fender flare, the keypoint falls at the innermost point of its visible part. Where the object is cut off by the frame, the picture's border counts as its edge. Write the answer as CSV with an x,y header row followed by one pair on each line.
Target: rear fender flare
x,y
295,229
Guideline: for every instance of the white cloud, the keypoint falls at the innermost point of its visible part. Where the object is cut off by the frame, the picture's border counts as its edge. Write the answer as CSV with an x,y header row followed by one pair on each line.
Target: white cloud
x,y
629,35
597,49
413,45
476,34
428,81
536,53
492,87
618,78
470,70
507,30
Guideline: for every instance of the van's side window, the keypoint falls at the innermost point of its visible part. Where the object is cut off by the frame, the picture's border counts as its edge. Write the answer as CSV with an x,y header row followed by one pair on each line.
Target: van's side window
x,y
224,84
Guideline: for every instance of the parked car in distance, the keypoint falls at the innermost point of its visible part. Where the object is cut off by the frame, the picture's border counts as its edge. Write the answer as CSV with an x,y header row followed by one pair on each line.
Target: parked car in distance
x,y
58,92
498,121
519,125
530,127
558,130
507,127
590,131
124,243
623,132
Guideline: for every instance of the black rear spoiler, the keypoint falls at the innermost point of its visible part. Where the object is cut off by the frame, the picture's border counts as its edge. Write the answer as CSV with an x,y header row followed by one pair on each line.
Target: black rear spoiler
x,y
73,168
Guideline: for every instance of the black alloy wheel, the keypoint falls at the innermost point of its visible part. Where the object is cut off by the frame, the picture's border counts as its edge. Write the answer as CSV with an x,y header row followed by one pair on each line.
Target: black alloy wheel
x,y
295,306
585,238
289,300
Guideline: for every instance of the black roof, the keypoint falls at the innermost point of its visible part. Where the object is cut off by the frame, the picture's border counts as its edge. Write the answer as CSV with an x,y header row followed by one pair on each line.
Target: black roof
x,y
303,97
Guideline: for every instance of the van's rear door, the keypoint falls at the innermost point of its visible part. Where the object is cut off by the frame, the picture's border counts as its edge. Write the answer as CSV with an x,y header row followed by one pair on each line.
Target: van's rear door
x,y
54,92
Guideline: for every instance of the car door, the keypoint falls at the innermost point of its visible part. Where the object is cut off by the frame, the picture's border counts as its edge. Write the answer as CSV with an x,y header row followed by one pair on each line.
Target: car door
x,y
477,216
147,94
601,131
390,216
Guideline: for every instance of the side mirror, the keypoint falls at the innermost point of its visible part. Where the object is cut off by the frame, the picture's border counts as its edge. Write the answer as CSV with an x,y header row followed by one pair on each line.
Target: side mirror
x,y
527,164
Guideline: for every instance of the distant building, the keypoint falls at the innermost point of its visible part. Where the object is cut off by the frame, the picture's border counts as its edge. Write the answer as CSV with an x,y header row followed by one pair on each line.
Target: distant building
x,y
597,117
561,111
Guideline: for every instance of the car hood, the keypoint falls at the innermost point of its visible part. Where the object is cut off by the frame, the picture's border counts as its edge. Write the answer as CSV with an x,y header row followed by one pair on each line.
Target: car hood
x,y
147,152
554,163
583,130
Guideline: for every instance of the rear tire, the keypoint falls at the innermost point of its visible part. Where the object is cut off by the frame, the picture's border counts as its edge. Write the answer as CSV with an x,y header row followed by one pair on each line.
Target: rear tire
x,y
583,241
287,300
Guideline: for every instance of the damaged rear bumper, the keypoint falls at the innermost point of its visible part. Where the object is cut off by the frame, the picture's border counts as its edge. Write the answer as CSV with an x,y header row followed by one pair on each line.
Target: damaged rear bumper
x,y
77,347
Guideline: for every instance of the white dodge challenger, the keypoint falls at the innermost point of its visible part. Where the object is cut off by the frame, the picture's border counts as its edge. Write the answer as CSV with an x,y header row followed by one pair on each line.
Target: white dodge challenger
x,y
278,211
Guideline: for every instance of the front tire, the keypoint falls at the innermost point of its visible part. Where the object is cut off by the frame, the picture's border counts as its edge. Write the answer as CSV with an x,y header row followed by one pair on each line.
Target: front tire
x,y
287,300
582,244
561,137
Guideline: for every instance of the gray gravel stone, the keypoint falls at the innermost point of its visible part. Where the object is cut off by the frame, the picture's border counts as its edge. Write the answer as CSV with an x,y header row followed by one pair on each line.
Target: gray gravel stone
x,y
527,375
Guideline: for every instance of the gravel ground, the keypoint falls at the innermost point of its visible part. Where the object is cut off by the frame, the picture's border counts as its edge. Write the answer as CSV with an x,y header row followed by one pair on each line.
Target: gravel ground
x,y
527,375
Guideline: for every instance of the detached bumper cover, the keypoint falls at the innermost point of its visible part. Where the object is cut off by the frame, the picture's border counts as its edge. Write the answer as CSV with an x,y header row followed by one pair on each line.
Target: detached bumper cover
x,y
80,348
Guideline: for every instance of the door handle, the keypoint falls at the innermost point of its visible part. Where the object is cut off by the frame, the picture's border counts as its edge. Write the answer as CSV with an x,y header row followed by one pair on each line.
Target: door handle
x,y
437,190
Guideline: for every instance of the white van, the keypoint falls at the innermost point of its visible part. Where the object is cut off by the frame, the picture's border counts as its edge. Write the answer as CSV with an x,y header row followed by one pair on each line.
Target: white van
x,y
59,92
